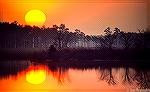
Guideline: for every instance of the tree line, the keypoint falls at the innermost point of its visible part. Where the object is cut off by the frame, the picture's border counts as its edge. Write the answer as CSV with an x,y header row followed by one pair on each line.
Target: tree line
x,y
14,35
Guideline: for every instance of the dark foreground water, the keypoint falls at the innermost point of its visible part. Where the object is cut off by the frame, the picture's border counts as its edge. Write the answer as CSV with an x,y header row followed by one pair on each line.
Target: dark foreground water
x,y
27,76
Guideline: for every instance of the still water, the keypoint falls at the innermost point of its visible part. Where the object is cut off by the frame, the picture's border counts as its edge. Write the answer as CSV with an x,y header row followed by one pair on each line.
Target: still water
x,y
27,76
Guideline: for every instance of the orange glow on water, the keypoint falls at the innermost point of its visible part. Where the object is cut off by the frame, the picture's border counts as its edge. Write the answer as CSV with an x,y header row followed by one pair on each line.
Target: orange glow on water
x,y
52,78
33,78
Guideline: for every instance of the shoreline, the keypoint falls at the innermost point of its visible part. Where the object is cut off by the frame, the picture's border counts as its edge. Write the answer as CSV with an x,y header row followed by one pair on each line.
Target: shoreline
x,y
76,54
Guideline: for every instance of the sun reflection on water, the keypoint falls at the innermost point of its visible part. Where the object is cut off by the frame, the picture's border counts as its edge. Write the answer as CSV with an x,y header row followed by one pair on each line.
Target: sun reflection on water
x,y
56,77
36,74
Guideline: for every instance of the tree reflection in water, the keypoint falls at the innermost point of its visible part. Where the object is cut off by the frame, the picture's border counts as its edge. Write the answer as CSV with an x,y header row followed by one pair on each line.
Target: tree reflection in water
x,y
59,73
131,74
106,74
128,76
137,75
142,78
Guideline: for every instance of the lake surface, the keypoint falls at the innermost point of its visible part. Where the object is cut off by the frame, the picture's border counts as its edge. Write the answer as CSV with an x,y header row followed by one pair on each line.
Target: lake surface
x,y
27,76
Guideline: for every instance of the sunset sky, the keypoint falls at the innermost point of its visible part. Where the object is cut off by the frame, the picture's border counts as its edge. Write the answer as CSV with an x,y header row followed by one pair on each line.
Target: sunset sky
x,y
90,16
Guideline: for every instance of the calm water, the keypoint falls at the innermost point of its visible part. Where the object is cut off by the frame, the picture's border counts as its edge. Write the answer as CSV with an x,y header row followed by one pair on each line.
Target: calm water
x,y
27,76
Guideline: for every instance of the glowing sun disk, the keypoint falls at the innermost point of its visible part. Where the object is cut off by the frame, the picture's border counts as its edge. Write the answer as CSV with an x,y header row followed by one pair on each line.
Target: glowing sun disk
x,y
35,17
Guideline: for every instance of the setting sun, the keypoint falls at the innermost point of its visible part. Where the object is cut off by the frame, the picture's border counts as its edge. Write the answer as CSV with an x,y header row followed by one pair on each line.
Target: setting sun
x,y
35,17
36,76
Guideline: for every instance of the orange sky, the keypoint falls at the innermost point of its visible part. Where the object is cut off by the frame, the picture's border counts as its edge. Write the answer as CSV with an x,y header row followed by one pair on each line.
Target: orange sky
x,y
90,16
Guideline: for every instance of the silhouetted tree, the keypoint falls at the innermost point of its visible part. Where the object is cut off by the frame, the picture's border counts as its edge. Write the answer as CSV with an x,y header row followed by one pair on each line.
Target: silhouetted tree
x,y
62,39
77,32
127,39
110,36
14,35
